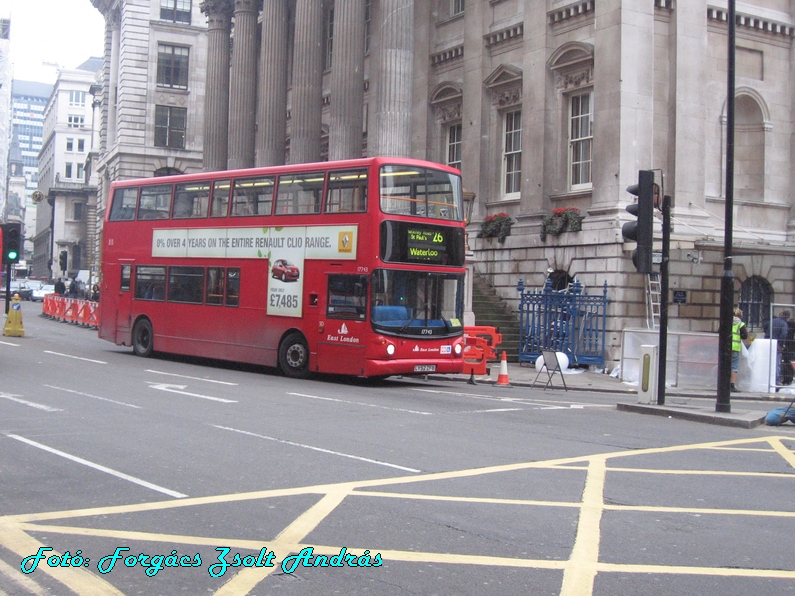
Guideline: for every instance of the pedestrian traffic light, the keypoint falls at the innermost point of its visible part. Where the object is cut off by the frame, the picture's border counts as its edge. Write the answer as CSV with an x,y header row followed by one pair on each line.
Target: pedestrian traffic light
x,y
11,242
642,230
62,260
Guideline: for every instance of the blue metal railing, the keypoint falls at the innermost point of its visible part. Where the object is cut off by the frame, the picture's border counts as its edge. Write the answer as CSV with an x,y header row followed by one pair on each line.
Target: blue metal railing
x,y
567,321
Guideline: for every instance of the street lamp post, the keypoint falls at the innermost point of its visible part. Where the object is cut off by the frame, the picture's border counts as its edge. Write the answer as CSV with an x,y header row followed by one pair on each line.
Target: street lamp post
x,y
469,204
723,403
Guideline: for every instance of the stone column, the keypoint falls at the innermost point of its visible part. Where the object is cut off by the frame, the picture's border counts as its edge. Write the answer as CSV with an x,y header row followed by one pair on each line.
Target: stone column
x,y
623,97
243,86
475,109
347,81
393,104
536,98
307,94
687,173
216,94
272,96
114,24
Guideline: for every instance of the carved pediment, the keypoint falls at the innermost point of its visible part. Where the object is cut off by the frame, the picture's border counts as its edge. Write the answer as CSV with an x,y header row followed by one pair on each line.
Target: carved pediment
x,y
446,99
445,92
505,84
572,65
503,76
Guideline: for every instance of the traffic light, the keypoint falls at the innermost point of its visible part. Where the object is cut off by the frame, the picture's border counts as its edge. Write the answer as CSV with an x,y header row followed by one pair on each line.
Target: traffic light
x,y
642,230
12,232
62,260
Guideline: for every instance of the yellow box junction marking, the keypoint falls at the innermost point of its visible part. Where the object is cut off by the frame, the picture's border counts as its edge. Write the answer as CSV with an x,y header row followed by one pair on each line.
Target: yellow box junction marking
x,y
579,571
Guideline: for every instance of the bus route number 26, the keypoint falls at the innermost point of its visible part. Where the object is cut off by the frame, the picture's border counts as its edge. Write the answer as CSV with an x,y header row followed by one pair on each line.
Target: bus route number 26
x,y
284,301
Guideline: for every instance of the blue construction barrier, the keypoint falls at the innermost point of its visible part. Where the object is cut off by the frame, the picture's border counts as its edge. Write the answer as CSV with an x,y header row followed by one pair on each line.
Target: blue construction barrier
x,y
565,321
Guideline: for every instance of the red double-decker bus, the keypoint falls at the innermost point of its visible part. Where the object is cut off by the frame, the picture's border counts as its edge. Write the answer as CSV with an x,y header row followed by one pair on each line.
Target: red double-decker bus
x,y
351,267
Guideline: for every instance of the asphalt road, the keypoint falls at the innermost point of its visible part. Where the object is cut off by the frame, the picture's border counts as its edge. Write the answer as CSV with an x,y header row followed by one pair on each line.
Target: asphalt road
x,y
442,487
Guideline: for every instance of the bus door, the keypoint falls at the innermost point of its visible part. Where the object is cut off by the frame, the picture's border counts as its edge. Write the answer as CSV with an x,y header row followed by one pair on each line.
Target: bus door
x,y
342,344
124,304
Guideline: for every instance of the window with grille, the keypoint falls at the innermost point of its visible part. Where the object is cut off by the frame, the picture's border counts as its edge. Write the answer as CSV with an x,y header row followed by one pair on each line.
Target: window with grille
x,y
580,140
172,66
756,294
170,123
512,153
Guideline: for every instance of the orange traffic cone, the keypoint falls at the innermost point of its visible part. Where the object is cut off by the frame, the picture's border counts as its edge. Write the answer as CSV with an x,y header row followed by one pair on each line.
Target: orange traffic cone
x,y
502,379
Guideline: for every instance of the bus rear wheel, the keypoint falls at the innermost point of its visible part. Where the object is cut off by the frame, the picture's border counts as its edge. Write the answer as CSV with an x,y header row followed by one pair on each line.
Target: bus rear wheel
x,y
294,356
142,338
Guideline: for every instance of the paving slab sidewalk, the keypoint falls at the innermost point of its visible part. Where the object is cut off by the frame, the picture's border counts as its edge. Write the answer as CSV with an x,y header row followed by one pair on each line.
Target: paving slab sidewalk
x,y
696,404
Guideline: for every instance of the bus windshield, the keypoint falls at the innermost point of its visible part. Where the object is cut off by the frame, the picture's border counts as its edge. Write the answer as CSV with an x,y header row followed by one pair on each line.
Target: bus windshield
x,y
420,192
417,303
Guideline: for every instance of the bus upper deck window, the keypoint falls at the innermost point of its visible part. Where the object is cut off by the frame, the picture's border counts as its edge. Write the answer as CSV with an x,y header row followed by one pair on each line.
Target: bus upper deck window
x,y
220,198
191,200
253,196
299,193
347,191
124,200
155,202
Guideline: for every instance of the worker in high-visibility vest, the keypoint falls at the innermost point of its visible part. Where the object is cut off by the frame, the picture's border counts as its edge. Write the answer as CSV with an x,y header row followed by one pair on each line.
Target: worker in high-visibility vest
x,y
739,333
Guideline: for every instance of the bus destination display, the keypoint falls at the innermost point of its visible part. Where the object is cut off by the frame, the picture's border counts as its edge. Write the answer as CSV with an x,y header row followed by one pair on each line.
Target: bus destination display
x,y
427,246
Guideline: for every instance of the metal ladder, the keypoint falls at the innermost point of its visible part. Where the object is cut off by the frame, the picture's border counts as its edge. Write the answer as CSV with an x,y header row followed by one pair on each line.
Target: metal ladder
x,y
653,295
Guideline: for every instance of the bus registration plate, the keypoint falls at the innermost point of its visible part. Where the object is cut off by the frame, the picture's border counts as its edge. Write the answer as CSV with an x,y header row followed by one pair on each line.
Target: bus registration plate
x,y
424,367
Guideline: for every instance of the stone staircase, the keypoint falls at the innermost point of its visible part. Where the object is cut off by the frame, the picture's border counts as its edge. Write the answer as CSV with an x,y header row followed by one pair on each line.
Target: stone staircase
x,y
492,311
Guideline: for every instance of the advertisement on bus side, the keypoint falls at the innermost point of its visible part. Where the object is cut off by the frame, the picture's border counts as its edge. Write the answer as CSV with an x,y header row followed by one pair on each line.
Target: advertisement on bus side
x,y
285,248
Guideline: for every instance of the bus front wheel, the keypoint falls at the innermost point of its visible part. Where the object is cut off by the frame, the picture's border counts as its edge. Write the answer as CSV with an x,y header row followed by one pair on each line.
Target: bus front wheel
x,y
294,356
142,338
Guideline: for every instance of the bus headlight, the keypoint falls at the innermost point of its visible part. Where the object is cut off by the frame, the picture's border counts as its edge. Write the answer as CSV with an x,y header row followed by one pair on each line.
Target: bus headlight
x,y
458,349
390,349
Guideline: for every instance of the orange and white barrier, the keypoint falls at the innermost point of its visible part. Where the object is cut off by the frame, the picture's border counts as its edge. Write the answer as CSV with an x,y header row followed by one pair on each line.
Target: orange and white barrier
x,y
70,310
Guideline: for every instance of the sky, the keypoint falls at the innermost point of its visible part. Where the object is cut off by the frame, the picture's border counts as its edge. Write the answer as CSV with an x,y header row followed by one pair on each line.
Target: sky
x,y
63,33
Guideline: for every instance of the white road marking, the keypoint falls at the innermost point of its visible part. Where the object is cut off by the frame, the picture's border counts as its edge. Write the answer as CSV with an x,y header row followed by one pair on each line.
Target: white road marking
x,y
110,471
113,401
8,343
30,403
364,459
542,404
160,372
178,389
494,410
74,357
357,403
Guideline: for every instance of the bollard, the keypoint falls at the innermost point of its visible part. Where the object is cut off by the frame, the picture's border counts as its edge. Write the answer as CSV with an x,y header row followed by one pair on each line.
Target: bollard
x,y
13,326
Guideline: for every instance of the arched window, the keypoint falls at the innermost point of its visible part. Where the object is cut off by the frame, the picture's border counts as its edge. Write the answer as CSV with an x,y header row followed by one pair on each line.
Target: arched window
x,y
167,172
756,294
749,149
560,279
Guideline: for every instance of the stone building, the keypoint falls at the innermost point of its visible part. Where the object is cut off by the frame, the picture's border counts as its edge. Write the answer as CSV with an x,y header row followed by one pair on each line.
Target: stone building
x,y
542,104
65,214
151,100
28,100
